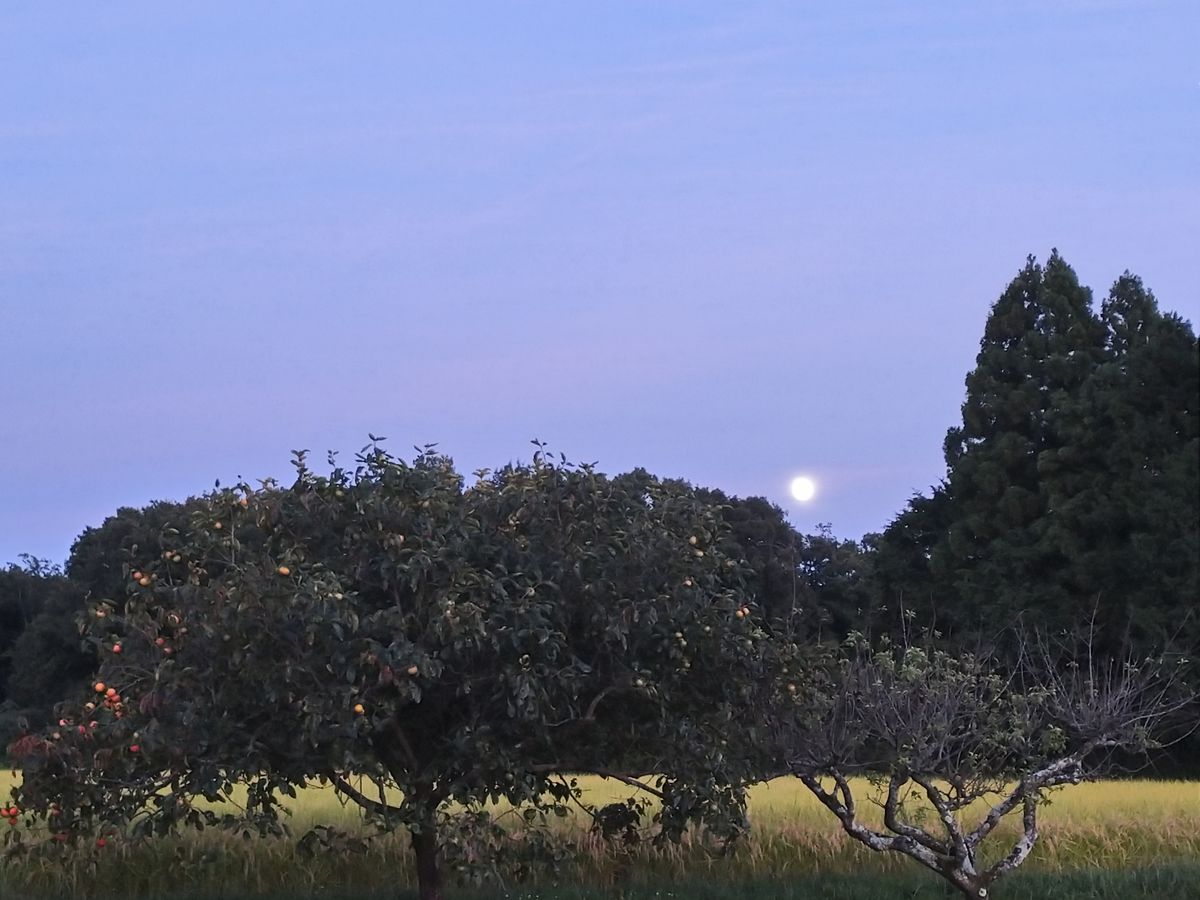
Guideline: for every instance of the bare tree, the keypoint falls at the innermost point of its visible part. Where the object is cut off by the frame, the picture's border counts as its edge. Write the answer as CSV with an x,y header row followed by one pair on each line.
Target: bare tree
x,y
952,730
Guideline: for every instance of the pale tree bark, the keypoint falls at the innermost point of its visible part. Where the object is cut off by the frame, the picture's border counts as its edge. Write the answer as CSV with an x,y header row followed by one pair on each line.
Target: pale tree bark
x,y
959,733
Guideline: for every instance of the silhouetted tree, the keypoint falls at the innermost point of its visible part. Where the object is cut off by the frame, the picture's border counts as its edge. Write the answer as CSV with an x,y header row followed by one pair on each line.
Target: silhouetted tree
x,y
1072,489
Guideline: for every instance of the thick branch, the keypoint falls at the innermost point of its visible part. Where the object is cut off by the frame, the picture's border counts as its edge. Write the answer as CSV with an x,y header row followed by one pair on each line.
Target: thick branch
x,y
376,806
589,714
844,810
892,820
1061,771
1021,850
631,780
962,850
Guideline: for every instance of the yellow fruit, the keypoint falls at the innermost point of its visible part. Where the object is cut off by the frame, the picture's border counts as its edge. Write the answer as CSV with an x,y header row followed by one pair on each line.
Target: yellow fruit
x,y
284,571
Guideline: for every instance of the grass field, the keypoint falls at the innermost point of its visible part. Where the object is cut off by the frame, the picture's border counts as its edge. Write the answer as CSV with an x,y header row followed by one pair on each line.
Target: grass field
x,y
1112,839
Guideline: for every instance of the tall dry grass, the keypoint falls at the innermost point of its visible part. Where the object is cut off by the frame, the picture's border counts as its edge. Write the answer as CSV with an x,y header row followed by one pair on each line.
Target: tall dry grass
x,y
1109,825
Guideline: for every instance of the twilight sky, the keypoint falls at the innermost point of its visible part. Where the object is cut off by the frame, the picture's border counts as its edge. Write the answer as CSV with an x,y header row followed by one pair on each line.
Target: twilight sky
x,y
728,242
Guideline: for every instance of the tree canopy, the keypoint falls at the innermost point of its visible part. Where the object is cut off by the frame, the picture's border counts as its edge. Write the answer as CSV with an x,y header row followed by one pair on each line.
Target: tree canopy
x,y
1072,487
428,643
447,642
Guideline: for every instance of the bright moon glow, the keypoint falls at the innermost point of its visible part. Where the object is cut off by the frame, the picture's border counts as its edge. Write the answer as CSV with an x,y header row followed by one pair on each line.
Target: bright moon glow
x,y
803,488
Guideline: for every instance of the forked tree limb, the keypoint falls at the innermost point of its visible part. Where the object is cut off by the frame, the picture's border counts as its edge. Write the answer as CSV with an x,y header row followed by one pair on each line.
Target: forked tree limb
x,y
379,807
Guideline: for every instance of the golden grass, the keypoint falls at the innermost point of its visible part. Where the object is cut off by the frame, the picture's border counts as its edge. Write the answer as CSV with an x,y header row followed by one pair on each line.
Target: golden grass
x,y
1109,825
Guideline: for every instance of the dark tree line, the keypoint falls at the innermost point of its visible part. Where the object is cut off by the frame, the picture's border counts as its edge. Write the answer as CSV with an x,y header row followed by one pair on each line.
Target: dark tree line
x,y
42,656
1072,486
1071,500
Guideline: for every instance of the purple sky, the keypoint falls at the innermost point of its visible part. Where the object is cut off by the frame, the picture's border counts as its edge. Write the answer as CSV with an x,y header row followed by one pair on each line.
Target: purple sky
x,y
726,242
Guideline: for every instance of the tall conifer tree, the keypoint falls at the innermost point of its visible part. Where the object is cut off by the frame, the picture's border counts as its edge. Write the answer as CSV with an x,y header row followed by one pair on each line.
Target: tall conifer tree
x,y
1072,489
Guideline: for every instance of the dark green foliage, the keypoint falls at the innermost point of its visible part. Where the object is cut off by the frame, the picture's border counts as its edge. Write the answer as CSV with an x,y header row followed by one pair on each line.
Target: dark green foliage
x,y
101,555
759,532
42,656
813,583
1124,490
839,599
450,644
49,659
39,643
23,593
1072,491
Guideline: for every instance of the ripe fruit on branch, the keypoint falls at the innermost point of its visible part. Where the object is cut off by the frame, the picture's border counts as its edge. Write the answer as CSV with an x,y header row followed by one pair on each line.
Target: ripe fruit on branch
x,y
101,687
412,670
359,709
284,571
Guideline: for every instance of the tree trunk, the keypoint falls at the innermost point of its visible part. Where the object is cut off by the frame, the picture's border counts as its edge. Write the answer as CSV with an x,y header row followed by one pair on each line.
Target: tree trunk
x,y
967,885
429,873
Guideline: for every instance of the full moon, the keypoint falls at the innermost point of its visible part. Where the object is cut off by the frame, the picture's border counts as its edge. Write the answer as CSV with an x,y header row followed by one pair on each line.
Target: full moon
x,y
804,488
